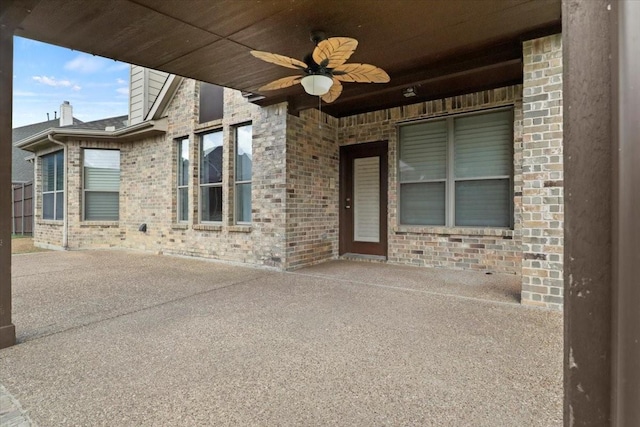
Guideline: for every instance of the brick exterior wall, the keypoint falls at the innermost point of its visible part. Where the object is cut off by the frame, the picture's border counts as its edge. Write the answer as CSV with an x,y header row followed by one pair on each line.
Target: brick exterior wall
x,y
295,185
490,249
148,189
312,189
151,189
542,193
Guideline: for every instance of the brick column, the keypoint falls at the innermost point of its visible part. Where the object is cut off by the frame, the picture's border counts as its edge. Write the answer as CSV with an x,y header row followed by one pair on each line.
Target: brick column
x,y
7,330
542,173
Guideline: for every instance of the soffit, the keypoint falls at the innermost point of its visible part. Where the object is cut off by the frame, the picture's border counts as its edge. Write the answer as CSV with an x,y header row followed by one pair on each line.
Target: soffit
x,y
443,47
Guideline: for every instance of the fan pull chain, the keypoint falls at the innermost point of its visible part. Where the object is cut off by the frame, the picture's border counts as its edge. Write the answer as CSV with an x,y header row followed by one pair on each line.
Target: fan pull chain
x,y
320,110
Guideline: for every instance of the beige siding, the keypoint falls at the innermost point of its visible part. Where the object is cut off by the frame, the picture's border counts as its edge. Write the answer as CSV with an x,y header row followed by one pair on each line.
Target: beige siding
x,y
136,95
155,81
145,86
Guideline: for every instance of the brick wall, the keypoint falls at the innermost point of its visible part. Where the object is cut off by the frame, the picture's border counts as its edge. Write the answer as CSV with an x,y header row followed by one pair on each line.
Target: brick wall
x,y
542,192
149,174
93,234
491,249
148,188
312,189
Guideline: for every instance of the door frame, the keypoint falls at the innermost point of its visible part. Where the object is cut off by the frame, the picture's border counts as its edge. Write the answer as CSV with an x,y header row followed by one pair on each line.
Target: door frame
x,y
346,224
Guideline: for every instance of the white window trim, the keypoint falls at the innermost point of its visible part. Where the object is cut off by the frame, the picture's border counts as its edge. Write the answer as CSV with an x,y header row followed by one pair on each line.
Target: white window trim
x,y
450,179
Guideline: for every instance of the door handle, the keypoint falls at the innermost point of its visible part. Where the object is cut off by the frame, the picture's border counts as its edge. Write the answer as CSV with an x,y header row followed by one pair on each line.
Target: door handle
x,y
347,203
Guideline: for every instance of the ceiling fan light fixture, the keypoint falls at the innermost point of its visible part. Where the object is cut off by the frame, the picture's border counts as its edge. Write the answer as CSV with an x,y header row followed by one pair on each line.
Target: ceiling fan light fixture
x,y
316,84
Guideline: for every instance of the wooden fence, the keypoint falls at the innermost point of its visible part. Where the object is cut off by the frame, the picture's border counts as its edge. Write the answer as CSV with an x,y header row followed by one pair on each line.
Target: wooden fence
x,y
22,212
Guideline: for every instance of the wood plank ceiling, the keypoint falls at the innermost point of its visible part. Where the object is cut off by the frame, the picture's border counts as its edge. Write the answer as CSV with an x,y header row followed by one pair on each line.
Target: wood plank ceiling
x,y
440,47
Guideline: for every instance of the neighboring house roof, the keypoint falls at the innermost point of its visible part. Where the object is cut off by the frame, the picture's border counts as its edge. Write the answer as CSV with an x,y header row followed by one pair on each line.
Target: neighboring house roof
x,y
112,129
22,170
115,123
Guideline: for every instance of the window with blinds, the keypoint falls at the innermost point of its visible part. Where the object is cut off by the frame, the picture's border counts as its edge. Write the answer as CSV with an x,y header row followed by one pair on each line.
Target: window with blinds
x,y
457,171
101,185
53,186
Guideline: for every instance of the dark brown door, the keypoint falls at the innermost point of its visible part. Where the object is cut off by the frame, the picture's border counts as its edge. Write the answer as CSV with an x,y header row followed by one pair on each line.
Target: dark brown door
x,y
363,199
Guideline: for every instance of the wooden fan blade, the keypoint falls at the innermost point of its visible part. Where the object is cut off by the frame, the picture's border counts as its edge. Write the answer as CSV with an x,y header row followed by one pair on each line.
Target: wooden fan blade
x,y
360,73
334,51
334,92
282,83
282,60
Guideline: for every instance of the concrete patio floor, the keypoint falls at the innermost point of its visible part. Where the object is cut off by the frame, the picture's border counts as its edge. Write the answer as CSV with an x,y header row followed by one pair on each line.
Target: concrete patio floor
x,y
131,339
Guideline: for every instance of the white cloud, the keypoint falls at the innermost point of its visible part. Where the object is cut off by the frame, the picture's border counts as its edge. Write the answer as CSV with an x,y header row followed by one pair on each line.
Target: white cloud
x,y
23,93
76,87
123,90
121,81
118,66
52,81
84,63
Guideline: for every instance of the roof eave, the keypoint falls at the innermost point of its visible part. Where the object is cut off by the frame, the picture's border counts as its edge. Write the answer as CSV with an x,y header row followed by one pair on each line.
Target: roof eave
x,y
139,130
166,94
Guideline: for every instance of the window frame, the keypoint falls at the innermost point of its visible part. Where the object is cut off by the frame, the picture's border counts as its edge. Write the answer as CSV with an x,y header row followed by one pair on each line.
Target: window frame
x,y
85,191
179,170
220,184
55,192
450,179
236,182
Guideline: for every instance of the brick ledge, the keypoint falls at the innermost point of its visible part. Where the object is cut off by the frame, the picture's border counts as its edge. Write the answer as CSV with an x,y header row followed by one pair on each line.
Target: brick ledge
x,y
207,227
463,231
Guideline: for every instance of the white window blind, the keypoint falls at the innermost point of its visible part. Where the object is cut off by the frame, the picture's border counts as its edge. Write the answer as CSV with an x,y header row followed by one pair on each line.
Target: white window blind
x,y
457,171
101,185
366,195
483,163
423,173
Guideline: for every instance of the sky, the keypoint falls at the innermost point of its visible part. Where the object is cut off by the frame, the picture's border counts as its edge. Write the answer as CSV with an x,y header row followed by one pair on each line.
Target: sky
x,y
45,75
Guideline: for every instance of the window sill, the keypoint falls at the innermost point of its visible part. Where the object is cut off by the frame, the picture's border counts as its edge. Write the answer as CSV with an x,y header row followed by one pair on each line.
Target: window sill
x,y
177,226
207,227
87,224
465,231
240,229
57,222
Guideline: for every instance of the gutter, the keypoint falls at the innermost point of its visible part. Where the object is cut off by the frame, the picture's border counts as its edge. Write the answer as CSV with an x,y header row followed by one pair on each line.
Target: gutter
x,y
129,131
65,220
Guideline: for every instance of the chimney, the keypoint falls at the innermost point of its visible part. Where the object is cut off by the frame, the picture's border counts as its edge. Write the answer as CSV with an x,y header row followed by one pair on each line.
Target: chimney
x,y
66,114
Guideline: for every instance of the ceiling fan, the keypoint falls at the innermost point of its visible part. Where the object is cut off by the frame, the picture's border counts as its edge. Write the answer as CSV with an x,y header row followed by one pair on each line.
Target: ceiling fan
x,y
324,69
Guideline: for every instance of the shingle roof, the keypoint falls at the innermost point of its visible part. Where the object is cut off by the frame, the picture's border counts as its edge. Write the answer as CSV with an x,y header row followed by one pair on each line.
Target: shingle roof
x,y
22,170
117,122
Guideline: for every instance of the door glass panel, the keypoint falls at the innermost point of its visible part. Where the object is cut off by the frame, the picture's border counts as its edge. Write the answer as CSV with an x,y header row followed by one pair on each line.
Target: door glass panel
x,y
366,198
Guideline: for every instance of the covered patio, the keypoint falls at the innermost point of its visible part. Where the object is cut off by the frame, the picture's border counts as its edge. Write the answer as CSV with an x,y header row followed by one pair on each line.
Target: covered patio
x,y
439,49
126,338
